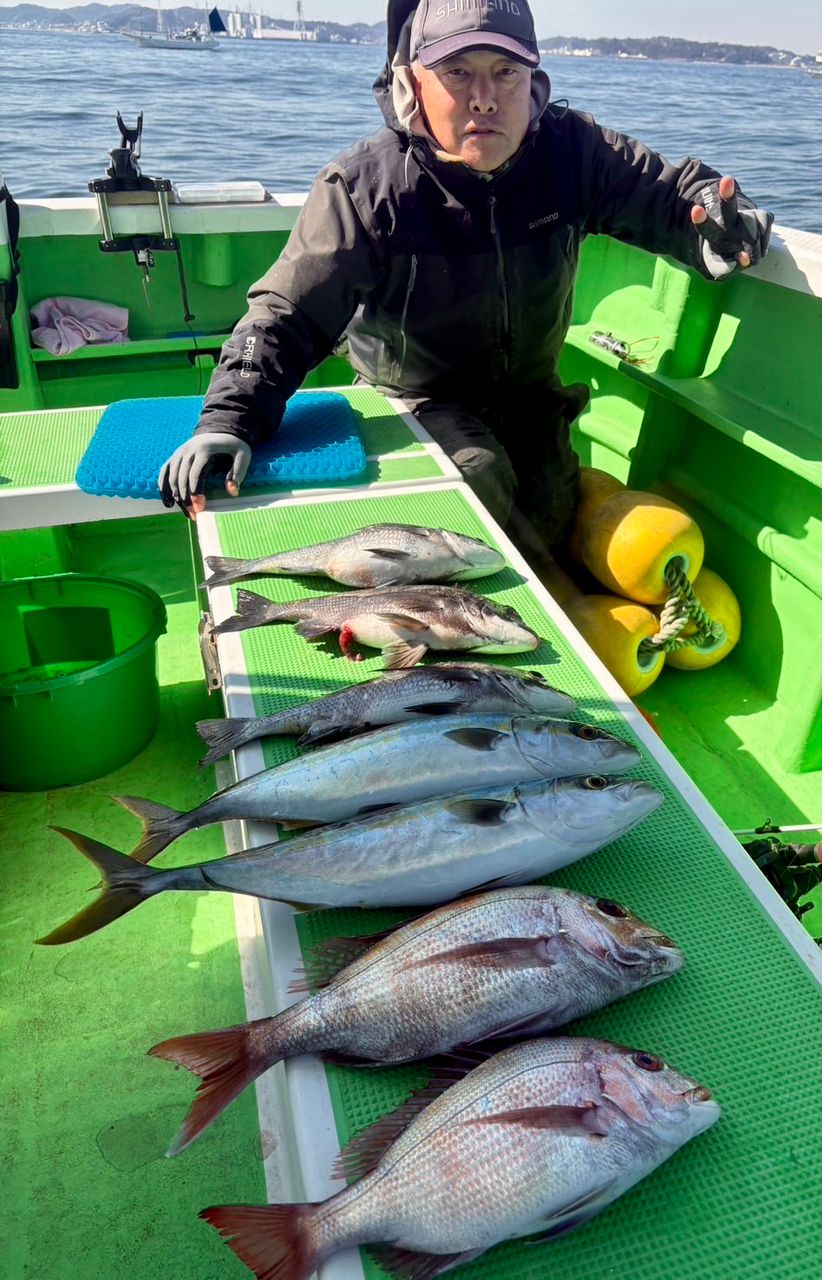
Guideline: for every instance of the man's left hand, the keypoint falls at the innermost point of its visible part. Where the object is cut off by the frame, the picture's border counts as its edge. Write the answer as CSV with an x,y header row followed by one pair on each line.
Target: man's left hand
x,y
734,232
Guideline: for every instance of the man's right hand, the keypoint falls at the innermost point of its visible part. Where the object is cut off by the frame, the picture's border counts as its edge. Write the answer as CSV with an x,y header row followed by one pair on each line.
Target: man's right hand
x,y
735,233
183,476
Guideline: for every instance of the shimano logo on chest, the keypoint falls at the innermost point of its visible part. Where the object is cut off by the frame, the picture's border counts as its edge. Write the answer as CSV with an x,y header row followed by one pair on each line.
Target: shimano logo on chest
x,y
542,222
249,348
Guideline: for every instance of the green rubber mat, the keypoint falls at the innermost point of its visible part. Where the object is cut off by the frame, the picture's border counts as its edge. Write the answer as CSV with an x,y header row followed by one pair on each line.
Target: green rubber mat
x,y
417,466
383,430
744,1016
38,449
44,448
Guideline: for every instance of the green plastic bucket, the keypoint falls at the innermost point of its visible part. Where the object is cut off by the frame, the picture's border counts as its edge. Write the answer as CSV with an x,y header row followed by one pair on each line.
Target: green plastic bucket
x,y
78,677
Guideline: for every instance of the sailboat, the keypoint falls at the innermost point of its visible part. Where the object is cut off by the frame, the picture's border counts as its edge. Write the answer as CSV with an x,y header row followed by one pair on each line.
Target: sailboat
x,y
200,37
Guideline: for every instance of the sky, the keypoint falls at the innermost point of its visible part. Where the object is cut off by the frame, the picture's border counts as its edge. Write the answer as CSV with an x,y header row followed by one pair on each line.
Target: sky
x,y
791,24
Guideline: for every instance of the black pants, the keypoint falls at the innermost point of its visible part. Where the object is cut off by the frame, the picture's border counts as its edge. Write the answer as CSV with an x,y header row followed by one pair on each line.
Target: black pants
x,y
531,483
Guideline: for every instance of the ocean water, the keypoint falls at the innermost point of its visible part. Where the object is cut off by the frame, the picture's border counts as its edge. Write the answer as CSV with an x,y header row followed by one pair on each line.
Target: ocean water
x,y
278,113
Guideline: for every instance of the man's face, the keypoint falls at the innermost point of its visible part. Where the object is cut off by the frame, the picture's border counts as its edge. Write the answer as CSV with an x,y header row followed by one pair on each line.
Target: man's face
x,y
477,105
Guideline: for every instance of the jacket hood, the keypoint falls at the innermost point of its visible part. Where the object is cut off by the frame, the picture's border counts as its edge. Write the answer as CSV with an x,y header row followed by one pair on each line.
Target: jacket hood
x,y
393,88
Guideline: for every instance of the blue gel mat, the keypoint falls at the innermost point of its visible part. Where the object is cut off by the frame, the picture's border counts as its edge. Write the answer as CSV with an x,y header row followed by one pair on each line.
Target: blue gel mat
x,y
318,442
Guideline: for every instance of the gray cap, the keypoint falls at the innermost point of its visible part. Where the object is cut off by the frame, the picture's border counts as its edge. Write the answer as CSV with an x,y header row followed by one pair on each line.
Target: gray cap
x,y
444,28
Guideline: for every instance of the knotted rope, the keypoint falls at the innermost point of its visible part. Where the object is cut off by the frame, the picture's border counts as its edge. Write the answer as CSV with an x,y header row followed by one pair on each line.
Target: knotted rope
x,y
681,607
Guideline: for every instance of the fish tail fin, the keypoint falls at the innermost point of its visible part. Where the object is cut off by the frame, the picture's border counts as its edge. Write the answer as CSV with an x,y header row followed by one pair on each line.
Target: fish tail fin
x,y
161,826
253,610
125,885
226,1061
275,1241
222,736
224,569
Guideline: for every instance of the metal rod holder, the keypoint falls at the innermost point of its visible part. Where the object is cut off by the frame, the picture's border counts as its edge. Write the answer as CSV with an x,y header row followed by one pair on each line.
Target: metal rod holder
x,y
105,216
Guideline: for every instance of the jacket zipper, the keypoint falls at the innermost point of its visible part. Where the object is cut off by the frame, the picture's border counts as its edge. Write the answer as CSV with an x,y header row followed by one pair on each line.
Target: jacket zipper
x,y
399,366
503,286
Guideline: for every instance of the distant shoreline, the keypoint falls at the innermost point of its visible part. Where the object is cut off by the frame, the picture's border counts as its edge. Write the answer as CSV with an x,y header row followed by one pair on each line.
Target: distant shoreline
x,y
686,62
803,63
335,44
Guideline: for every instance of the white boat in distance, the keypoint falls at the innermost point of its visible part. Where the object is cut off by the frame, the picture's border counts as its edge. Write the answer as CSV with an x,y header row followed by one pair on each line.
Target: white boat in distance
x,y
192,38
197,38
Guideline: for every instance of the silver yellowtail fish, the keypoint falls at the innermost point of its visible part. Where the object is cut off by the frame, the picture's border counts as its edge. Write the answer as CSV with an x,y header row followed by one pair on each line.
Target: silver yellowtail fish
x,y
540,1138
416,856
446,689
405,622
513,962
381,555
395,765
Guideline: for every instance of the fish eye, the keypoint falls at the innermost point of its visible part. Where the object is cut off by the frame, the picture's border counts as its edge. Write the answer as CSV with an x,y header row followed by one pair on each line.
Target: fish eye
x,y
648,1061
609,908
596,782
586,731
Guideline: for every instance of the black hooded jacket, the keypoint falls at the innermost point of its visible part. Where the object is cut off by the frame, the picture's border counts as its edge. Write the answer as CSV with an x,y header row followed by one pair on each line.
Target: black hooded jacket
x,y
451,285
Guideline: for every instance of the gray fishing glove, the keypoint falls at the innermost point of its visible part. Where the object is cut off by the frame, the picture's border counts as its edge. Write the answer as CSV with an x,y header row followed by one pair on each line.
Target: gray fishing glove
x,y
735,233
186,471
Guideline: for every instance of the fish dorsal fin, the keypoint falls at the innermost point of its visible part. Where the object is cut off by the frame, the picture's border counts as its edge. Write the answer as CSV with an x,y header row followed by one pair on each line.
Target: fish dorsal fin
x,y
325,960
405,1265
364,1152
476,738
481,812
456,673
388,527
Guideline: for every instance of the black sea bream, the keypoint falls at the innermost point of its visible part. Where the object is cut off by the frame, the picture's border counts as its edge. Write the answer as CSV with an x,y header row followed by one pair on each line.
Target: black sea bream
x,y
380,555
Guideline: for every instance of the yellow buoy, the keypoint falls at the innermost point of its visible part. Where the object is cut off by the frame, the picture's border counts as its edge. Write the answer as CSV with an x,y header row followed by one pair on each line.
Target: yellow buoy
x,y
722,607
615,628
594,487
632,537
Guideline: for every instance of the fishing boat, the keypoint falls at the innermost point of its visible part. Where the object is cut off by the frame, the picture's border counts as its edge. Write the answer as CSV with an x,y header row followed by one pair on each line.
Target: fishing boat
x,y
721,416
199,38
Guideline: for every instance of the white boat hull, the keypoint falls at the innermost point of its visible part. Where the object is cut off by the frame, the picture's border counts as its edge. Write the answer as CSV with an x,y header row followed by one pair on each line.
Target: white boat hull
x,y
170,42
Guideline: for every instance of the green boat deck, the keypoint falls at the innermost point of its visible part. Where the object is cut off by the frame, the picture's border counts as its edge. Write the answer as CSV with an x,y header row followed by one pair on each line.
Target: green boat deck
x,y
86,1115
744,995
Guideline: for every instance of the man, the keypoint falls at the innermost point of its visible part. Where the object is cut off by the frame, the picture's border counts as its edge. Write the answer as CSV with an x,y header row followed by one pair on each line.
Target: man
x,y
445,248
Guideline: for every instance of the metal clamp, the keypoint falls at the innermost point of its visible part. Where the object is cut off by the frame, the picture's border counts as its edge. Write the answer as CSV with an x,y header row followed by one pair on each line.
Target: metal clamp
x,y
208,653
123,175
